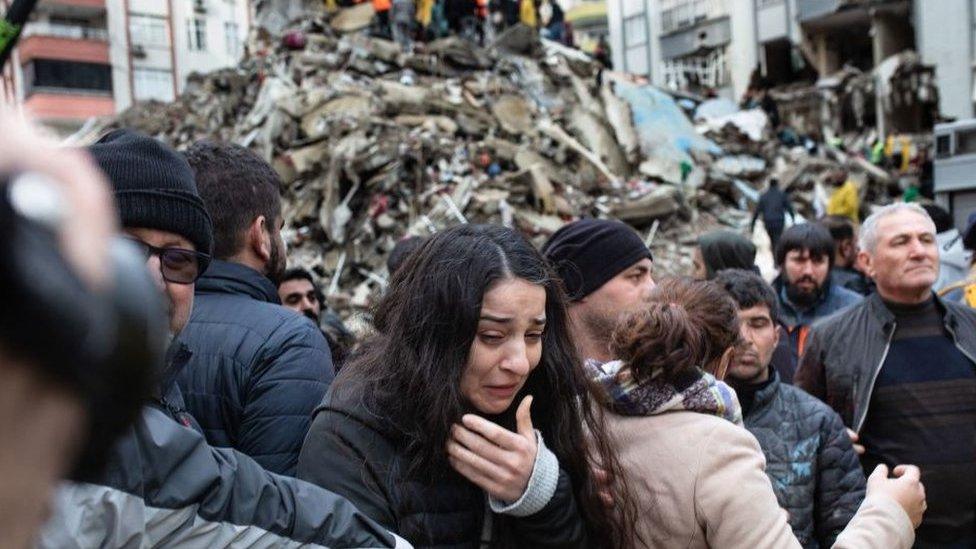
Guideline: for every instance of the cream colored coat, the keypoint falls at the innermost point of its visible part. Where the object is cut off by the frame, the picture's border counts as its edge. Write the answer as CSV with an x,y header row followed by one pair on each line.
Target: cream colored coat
x,y
700,482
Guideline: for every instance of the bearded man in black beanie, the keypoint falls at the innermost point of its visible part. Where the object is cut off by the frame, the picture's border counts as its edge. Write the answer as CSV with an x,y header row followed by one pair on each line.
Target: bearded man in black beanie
x,y
606,271
164,485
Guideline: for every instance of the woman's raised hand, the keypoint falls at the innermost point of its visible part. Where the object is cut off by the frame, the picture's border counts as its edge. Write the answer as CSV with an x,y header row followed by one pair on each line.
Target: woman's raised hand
x,y
494,458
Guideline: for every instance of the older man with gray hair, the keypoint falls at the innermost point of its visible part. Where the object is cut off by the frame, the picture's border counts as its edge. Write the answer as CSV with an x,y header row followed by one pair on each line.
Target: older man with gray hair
x,y
899,369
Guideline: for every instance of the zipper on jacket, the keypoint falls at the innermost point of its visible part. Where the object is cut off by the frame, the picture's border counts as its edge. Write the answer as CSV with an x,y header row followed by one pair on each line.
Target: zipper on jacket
x,y
874,378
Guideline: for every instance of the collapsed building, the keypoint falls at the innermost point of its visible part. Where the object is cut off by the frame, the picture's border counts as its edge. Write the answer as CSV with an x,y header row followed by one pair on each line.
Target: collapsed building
x,y
373,144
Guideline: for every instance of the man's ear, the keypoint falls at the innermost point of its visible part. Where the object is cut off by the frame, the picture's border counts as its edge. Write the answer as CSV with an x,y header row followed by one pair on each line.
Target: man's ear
x,y
865,263
258,239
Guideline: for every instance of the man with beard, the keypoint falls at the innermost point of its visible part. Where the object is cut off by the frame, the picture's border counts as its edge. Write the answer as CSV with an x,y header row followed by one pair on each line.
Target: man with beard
x,y
258,370
606,271
809,459
298,292
806,291
900,369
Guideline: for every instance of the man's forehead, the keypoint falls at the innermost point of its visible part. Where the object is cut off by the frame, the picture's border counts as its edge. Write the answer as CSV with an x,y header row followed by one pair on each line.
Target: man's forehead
x,y
296,285
755,311
905,223
800,253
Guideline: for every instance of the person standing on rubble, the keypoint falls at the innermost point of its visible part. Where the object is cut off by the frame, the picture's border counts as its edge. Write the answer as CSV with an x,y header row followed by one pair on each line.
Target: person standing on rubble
x,y
844,200
606,271
900,369
382,22
805,289
773,206
402,15
461,420
258,369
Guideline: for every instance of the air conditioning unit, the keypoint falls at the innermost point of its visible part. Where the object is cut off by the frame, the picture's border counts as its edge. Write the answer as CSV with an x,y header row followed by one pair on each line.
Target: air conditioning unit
x,y
199,6
138,51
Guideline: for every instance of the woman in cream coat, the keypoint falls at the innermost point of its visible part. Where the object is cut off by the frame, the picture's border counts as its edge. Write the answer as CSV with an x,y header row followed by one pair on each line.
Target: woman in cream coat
x,y
697,475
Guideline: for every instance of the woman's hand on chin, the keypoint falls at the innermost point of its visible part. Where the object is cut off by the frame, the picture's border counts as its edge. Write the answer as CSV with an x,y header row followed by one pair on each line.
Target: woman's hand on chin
x,y
492,457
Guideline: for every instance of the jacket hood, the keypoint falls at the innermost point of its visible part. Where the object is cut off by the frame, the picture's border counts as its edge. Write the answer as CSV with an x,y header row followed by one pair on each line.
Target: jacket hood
x,y
224,277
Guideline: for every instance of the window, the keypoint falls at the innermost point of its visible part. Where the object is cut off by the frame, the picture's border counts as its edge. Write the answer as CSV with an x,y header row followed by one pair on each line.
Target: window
x,y
966,141
635,31
148,30
943,146
68,75
196,33
231,39
152,84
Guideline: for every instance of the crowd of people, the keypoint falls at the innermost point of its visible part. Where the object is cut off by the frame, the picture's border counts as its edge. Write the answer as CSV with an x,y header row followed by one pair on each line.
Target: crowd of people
x,y
408,21
509,396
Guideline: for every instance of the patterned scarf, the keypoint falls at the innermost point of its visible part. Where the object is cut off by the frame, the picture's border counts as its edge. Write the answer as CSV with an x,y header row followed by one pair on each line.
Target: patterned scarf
x,y
696,391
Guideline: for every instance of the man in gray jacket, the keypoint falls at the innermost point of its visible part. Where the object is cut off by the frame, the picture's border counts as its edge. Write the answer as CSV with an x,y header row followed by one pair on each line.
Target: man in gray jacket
x,y
900,369
164,485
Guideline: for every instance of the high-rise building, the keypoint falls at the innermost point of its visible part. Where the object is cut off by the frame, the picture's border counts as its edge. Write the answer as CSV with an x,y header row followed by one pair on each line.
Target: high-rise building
x,y
82,58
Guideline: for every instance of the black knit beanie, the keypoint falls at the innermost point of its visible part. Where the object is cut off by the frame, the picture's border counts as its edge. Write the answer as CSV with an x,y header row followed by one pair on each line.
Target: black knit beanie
x,y
589,252
154,187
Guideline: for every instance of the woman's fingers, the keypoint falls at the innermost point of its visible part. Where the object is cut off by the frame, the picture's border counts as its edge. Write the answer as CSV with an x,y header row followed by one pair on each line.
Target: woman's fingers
x,y
478,444
498,435
475,461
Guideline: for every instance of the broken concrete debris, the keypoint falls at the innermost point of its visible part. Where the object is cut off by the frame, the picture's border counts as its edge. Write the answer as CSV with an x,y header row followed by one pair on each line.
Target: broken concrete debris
x,y
373,144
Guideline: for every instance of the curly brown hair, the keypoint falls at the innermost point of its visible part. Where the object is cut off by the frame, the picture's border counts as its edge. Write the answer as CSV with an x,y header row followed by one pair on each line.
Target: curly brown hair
x,y
687,324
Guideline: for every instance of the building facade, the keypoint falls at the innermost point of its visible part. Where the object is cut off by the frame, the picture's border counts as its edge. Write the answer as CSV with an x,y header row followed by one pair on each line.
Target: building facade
x,y
82,58
706,46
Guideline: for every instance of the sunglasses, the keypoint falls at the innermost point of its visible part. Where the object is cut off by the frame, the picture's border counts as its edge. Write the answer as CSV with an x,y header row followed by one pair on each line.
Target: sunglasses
x,y
178,265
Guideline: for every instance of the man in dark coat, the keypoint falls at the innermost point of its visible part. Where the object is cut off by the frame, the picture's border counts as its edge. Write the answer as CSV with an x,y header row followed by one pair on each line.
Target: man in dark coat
x,y
900,369
258,369
810,461
164,485
773,206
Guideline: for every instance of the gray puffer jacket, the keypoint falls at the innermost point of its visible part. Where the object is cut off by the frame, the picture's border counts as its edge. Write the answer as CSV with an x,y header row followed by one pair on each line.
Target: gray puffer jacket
x,y
809,460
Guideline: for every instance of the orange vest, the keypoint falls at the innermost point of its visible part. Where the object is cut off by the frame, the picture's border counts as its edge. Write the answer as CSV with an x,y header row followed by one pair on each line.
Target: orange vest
x,y
381,5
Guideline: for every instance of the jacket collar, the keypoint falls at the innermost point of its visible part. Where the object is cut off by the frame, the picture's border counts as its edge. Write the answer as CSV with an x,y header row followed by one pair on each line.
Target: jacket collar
x,y
224,277
880,311
177,357
766,395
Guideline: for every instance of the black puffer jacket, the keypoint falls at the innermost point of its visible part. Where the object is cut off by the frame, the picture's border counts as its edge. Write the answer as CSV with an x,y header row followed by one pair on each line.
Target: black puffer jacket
x,y
258,369
809,460
353,453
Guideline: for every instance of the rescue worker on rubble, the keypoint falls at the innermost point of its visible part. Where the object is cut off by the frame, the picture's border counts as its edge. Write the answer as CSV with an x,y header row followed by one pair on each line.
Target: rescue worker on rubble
x,y
382,22
900,369
845,199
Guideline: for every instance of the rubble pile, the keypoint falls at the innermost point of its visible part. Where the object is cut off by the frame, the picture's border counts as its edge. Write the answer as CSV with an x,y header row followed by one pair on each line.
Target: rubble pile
x,y
373,144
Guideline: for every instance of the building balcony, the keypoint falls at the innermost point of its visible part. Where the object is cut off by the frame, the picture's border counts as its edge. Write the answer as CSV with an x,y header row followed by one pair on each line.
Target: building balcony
x,y
67,105
821,11
69,43
83,4
679,15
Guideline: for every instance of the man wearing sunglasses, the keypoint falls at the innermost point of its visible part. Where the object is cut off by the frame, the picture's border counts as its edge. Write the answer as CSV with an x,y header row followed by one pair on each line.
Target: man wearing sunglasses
x,y
165,486
259,369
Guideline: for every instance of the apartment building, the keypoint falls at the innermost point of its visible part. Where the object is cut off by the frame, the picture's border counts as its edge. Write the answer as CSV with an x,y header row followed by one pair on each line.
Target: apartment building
x,y
715,45
82,58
